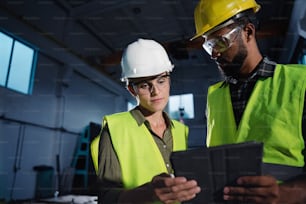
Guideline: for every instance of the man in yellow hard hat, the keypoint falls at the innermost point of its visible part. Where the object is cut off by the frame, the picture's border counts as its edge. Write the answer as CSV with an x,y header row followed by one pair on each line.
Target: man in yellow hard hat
x,y
133,161
259,100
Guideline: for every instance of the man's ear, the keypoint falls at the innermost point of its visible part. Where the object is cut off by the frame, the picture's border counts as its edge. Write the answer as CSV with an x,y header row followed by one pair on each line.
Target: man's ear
x,y
250,30
131,89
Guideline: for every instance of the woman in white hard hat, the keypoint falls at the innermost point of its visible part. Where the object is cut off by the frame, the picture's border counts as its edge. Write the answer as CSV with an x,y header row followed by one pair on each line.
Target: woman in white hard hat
x,y
258,100
135,146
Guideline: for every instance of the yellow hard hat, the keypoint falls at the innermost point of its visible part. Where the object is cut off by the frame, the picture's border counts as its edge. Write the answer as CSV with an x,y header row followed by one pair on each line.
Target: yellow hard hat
x,y
210,13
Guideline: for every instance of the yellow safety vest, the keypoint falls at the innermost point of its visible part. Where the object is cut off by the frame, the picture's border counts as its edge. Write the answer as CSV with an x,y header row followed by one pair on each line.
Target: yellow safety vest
x,y
272,116
138,154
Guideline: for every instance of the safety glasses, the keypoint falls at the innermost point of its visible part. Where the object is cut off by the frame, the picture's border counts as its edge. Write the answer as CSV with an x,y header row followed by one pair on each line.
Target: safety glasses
x,y
146,87
221,43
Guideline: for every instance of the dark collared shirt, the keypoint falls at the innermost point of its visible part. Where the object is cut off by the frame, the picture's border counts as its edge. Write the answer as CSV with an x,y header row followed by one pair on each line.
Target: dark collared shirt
x,y
242,89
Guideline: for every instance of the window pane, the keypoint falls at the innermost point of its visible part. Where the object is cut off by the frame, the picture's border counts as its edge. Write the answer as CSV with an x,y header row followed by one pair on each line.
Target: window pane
x,y
130,106
21,66
5,53
181,106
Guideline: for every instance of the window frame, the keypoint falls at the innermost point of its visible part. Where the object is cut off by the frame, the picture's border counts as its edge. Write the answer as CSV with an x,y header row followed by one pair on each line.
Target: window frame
x,y
188,115
32,69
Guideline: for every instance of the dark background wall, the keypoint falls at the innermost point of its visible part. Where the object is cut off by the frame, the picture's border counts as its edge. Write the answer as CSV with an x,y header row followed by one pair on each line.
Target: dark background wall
x,y
70,91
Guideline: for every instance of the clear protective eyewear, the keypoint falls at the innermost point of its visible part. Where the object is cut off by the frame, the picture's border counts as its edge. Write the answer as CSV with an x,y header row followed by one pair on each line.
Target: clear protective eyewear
x,y
146,86
221,43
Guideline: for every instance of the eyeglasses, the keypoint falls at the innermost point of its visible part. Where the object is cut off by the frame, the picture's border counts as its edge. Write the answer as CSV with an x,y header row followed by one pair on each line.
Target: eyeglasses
x,y
221,43
146,87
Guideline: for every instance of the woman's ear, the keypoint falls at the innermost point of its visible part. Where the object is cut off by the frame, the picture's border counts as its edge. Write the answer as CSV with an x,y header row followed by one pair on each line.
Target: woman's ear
x,y
131,89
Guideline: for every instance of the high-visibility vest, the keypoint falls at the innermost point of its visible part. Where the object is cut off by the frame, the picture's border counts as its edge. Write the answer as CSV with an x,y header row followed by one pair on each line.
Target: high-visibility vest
x,y
272,116
138,154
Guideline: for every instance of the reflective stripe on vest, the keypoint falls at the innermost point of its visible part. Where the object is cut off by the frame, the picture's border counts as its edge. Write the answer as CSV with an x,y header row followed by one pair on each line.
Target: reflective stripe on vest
x,y
138,154
272,116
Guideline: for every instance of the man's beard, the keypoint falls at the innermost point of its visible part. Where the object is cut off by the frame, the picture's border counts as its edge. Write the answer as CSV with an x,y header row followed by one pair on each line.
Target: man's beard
x,y
232,69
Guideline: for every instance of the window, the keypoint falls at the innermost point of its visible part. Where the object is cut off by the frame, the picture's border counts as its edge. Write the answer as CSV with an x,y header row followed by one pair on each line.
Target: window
x,y
181,106
18,62
130,105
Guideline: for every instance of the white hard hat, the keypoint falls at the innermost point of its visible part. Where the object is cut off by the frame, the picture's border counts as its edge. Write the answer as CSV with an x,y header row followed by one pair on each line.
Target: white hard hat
x,y
144,58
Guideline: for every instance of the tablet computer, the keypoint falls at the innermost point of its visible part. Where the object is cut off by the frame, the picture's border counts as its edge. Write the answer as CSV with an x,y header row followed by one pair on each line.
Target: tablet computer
x,y
215,167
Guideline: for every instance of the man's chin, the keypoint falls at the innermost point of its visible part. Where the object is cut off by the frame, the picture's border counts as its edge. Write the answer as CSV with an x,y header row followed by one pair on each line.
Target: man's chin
x,y
228,71
228,75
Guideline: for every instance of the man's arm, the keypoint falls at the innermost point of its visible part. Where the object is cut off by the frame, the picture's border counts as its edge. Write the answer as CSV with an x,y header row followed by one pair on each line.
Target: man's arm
x,y
294,190
254,189
265,190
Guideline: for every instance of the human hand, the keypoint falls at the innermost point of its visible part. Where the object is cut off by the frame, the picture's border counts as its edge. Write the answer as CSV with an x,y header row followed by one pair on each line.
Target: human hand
x,y
169,189
254,189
